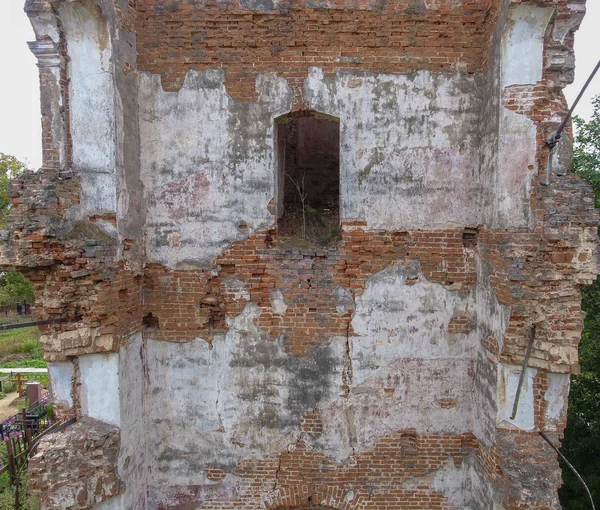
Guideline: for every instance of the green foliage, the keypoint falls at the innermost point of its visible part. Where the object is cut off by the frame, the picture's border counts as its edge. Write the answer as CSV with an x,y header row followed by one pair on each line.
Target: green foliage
x,y
581,444
49,412
27,363
10,167
9,386
14,287
7,495
586,148
28,501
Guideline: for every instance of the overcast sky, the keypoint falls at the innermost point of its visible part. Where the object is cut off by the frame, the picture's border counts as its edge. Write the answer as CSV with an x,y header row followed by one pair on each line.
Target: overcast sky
x,y
20,131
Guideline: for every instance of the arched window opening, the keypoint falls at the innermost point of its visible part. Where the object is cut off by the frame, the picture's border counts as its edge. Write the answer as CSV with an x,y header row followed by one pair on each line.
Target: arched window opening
x,y
308,179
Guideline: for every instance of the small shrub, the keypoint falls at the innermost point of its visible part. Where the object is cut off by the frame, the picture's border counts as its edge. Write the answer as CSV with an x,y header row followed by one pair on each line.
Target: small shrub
x,y
49,410
9,386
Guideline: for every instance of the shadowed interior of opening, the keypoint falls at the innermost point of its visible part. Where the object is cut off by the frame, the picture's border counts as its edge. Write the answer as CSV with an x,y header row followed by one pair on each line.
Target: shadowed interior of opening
x,y
308,179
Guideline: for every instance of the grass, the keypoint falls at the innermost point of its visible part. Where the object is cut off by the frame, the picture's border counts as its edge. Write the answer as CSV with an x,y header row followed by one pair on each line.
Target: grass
x,y
26,363
21,348
28,500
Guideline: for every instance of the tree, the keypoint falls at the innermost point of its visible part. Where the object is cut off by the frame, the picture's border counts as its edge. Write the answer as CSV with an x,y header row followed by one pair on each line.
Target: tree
x,y
10,167
13,285
581,444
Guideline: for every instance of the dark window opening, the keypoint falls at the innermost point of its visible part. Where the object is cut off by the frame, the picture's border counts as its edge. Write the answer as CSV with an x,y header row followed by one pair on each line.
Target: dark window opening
x,y
308,179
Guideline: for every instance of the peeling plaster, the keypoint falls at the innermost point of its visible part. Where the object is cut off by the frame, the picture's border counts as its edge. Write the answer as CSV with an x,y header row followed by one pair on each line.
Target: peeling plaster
x,y
556,398
99,391
508,379
61,382
523,45
206,179
405,161
91,97
241,398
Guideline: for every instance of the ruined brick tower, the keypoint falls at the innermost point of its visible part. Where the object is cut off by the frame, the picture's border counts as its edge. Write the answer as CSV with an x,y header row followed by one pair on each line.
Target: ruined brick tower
x,y
210,364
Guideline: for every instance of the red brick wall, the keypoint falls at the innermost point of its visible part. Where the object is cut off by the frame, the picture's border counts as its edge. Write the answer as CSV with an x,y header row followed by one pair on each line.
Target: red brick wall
x,y
194,303
302,477
176,36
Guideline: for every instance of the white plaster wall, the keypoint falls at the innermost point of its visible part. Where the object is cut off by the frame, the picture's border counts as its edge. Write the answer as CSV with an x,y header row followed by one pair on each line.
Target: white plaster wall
x,y
523,44
492,321
133,468
207,164
99,390
408,146
401,346
243,397
556,398
61,382
394,319
517,167
521,63
408,155
508,380
91,98
466,486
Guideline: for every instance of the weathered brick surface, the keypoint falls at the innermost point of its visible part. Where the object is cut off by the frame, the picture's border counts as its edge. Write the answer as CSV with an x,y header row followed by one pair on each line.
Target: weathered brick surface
x,y
401,37
88,448
189,304
398,472
81,264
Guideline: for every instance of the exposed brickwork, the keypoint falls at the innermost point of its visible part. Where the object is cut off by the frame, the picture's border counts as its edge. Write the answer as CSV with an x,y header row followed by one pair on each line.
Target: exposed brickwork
x,y
80,269
404,36
396,473
190,304
312,424
540,274
89,448
73,268
461,324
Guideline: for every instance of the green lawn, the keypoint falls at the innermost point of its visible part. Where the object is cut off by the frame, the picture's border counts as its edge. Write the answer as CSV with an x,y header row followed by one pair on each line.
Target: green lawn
x,y
21,348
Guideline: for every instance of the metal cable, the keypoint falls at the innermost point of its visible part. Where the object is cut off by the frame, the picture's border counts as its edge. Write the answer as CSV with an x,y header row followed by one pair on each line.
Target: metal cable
x,y
571,467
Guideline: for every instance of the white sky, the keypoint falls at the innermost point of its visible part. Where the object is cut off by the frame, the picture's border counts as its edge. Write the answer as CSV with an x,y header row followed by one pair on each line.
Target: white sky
x,y
20,131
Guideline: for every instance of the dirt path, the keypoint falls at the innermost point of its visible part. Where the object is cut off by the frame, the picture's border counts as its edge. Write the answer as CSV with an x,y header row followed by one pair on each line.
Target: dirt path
x,y
8,406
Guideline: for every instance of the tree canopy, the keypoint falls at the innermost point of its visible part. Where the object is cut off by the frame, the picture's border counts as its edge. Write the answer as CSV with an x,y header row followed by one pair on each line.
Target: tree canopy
x,y
13,285
10,167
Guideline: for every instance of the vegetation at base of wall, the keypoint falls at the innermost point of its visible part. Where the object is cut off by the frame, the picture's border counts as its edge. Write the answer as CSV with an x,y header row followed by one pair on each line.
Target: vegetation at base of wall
x,y
28,501
581,444
316,228
17,496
